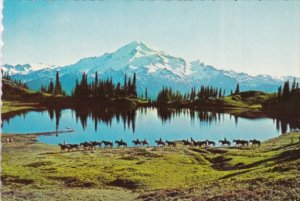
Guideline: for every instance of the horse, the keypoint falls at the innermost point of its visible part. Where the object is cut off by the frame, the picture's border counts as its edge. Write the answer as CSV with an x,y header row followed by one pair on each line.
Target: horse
x,y
145,142
223,142
160,142
237,143
107,144
137,142
244,142
194,143
240,143
120,143
63,147
186,142
95,143
73,146
170,143
210,143
86,145
202,143
255,142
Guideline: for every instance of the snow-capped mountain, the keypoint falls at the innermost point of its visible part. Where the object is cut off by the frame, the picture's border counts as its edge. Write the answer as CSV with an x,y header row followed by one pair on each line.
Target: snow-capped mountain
x,y
154,70
24,69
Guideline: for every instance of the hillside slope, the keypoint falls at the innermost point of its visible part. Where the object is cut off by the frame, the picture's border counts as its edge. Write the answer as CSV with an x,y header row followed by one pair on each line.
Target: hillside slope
x,y
268,172
14,92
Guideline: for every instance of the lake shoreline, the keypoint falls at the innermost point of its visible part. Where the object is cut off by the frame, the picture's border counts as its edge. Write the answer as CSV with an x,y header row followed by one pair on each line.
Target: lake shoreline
x,y
270,171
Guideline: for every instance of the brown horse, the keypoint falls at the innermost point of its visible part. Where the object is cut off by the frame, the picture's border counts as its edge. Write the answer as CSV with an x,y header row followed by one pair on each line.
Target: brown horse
x,y
210,143
202,143
120,143
255,142
170,143
86,145
137,142
187,143
145,142
225,142
160,142
107,144
194,143
240,143
63,147
95,144
73,146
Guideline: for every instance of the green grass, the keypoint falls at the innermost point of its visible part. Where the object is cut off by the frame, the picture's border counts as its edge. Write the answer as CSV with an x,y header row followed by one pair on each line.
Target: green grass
x,y
16,106
247,99
145,173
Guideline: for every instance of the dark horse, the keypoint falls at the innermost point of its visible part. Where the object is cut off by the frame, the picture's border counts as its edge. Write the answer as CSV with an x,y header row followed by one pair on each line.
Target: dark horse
x,y
63,147
202,143
73,146
255,142
237,143
121,143
244,142
186,142
107,144
86,145
225,142
240,143
170,143
137,142
210,143
95,143
145,142
160,142
195,143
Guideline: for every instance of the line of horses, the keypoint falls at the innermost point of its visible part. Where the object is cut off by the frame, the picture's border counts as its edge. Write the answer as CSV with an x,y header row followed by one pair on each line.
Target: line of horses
x,y
138,143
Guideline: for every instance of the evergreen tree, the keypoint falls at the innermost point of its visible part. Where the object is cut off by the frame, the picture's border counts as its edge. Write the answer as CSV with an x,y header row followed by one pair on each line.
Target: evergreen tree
x,y
279,92
237,90
134,92
293,84
129,87
286,89
125,86
220,93
57,88
51,87
118,90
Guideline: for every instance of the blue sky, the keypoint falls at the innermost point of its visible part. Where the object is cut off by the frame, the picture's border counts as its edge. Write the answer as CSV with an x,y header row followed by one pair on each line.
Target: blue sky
x,y
257,37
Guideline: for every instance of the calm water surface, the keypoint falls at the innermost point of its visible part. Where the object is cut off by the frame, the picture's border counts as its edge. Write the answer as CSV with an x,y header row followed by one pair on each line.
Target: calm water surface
x,y
150,124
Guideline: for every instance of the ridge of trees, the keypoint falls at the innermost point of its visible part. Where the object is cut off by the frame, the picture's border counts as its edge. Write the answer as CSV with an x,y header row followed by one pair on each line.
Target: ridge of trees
x,y
105,89
54,88
15,81
167,95
286,90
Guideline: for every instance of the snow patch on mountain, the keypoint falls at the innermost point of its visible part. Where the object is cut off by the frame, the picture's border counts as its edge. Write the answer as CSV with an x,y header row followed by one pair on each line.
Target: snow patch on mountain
x,y
154,69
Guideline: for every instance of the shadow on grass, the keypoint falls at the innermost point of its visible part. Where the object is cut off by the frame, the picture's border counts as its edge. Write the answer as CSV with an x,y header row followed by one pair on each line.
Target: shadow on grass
x,y
235,174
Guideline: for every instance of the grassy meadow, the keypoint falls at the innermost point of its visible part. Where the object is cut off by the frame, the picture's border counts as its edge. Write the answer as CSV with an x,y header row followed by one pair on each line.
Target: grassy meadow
x,y
36,171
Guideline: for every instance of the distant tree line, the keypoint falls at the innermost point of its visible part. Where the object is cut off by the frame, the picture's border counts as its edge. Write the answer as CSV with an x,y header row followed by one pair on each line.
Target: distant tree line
x,y
105,89
286,90
15,81
54,88
167,95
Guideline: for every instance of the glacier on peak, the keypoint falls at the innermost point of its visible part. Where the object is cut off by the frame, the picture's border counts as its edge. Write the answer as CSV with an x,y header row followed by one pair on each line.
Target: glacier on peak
x,y
154,69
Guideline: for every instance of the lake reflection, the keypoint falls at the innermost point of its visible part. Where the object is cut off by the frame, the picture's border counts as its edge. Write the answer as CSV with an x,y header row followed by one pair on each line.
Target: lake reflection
x,y
144,123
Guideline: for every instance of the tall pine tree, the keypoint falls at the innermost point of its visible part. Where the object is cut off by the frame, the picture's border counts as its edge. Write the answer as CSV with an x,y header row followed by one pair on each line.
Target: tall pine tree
x,y
237,89
57,87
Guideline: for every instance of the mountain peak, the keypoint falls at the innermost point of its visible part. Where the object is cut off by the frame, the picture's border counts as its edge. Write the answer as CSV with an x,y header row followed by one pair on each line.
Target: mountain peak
x,y
138,47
